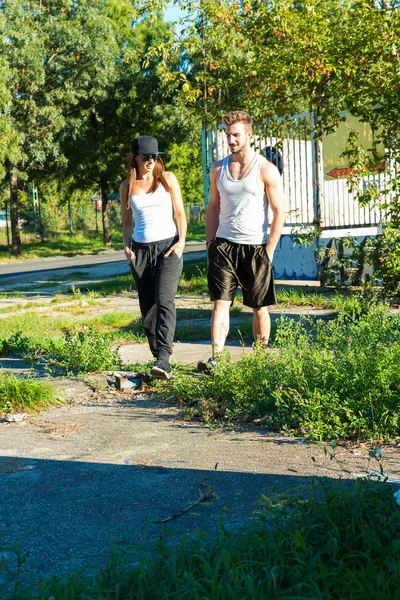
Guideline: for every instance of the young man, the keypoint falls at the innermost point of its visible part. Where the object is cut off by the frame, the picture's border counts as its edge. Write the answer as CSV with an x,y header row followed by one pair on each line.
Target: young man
x,y
240,252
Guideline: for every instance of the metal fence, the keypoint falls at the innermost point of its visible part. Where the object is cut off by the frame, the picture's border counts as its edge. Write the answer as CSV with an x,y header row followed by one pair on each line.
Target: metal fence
x,y
311,198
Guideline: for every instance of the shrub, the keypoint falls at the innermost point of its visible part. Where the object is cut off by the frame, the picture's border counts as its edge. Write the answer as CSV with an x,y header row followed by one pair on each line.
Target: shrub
x,y
327,379
85,351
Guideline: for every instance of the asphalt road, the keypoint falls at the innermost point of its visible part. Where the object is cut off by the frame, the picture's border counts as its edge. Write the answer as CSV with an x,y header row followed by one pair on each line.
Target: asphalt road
x,y
72,262
102,264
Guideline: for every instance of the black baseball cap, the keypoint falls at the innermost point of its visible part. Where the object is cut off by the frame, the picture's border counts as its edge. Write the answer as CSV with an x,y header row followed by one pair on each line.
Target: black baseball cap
x,y
145,144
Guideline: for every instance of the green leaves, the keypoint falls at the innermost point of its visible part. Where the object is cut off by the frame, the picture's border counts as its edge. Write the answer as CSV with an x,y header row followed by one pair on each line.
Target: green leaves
x,y
53,67
326,380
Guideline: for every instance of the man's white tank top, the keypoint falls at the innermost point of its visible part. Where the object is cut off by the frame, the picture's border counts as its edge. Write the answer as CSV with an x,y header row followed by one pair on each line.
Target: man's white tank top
x,y
243,216
153,216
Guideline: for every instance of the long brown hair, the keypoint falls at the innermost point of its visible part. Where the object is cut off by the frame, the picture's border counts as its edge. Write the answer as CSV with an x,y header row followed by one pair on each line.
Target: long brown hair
x,y
158,174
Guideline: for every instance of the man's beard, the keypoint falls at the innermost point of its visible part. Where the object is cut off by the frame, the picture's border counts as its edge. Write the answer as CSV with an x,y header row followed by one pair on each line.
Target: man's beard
x,y
238,149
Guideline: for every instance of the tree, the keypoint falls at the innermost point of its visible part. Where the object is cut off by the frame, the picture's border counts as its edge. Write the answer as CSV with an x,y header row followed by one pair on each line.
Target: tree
x,y
283,57
135,102
184,160
332,60
54,72
214,50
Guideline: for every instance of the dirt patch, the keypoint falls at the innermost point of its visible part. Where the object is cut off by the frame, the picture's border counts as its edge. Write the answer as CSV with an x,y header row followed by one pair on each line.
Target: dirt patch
x,y
56,430
78,391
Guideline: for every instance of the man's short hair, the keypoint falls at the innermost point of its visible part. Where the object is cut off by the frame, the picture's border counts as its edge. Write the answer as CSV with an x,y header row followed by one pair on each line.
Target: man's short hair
x,y
238,116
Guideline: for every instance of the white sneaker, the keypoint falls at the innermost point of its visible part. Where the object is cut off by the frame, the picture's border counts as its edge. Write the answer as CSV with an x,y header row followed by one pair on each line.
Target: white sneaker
x,y
161,370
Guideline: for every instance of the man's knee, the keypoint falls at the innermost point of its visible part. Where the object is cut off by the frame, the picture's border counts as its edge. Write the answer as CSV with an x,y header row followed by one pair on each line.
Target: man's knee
x,y
221,307
262,311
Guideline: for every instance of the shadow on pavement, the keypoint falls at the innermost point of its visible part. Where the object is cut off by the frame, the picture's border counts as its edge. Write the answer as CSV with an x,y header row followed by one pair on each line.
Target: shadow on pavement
x,y
65,514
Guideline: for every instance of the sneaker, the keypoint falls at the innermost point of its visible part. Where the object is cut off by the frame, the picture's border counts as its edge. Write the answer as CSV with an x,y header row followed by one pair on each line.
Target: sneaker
x,y
206,366
161,370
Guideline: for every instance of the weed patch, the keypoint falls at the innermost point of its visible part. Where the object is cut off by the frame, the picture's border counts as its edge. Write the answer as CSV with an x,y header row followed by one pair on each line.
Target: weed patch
x,y
337,379
24,394
86,351
17,343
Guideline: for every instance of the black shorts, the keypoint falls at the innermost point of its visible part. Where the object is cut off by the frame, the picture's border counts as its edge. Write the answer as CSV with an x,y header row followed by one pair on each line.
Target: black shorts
x,y
231,265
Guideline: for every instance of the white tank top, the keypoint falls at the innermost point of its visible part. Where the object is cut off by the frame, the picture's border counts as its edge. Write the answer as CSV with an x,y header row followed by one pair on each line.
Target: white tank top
x,y
243,216
153,216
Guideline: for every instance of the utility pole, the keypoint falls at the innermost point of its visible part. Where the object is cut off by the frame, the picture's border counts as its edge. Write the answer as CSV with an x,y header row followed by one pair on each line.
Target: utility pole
x,y
37,217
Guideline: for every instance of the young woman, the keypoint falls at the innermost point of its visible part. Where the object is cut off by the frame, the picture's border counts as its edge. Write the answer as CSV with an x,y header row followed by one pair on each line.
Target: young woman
x,y
150,197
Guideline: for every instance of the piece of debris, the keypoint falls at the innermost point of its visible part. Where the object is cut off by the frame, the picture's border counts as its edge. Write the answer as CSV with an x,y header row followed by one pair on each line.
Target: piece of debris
x,y
15,418
126,381
204,496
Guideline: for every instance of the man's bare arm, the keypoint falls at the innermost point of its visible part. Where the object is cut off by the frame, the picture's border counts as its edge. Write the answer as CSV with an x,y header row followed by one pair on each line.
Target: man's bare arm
x,y
212,215
274,190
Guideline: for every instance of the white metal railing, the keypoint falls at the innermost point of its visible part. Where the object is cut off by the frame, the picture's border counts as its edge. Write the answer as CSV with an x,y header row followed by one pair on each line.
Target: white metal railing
x,y
310,197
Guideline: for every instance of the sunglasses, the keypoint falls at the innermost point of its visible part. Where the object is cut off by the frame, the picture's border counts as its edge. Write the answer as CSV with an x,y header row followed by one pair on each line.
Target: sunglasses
x,y
147,157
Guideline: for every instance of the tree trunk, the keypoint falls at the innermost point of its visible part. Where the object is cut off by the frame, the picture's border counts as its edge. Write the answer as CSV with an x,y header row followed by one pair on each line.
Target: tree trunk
x,y
105,208
15,235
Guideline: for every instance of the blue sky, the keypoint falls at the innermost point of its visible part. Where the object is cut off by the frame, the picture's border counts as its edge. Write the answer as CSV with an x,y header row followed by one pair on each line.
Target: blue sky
x,y
173,13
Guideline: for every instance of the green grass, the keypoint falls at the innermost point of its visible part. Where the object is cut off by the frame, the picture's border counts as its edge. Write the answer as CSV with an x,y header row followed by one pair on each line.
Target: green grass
x,y
70,276
113,285
5,295
44,331
290,296
19,394
340,542
337,379
64,245
196,232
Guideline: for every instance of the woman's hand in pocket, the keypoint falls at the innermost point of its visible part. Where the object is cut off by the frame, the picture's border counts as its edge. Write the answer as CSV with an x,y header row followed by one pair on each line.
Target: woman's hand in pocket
x,y
177,248
130,255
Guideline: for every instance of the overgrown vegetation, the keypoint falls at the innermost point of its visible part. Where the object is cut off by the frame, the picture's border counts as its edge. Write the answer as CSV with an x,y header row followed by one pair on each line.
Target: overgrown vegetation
x,y
340,542
321,380
19,394
86,351
335,379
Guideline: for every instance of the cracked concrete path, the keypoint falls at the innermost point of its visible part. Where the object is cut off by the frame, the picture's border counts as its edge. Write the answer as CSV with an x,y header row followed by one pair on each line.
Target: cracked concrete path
x,y
111,466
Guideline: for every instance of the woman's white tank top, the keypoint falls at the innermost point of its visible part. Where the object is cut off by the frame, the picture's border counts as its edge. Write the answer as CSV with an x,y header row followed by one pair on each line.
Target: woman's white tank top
x,y
153,216
243,216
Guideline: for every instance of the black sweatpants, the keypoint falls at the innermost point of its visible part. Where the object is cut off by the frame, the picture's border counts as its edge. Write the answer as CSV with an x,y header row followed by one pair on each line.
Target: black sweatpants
x,y
157,279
